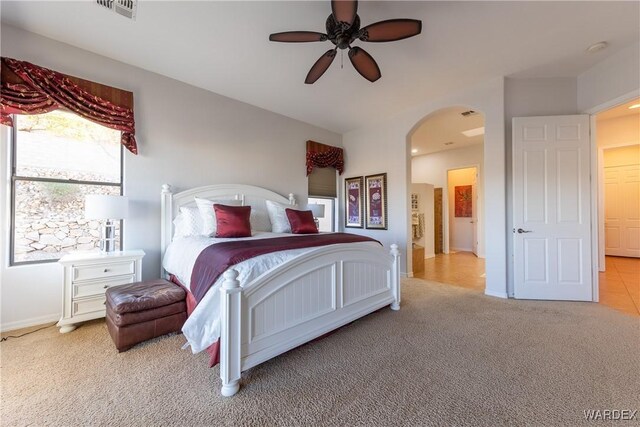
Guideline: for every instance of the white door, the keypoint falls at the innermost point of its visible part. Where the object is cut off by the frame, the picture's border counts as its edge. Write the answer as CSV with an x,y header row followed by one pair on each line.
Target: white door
x,y
622,210
552,208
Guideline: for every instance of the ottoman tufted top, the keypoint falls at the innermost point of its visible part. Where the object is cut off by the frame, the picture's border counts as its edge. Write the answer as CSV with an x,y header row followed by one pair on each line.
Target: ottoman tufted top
x,y
144,296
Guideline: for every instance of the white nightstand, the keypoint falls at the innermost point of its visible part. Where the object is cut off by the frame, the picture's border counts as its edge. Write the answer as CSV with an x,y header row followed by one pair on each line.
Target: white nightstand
x,y
86,278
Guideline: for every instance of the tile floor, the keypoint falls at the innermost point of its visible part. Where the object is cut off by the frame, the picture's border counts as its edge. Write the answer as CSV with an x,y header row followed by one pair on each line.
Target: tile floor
x,y
619,284
460,269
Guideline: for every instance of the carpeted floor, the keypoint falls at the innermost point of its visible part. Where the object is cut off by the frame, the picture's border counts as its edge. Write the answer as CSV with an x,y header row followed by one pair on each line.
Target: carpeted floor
x,y
450,356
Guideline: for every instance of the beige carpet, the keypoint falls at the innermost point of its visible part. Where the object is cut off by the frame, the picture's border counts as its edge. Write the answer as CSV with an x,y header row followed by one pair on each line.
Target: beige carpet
x,y
450,357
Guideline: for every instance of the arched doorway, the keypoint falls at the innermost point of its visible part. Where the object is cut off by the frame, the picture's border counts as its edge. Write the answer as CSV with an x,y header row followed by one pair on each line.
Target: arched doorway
x,y
447,197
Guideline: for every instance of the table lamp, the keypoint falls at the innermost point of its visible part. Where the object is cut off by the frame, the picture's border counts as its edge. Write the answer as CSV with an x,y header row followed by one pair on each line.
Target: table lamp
x,y
318,212
107,208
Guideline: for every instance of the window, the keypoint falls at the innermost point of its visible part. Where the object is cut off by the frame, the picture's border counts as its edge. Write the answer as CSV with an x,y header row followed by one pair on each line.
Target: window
x,y
326,223
57,159
322,186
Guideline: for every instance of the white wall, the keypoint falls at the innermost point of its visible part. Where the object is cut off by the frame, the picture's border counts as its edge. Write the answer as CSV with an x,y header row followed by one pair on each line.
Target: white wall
x,y
385,147
616,76
432,168
618,131
622,156
186,137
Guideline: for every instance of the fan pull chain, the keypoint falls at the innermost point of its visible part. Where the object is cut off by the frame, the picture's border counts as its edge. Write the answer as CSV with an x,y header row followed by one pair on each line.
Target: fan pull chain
x,y
341,59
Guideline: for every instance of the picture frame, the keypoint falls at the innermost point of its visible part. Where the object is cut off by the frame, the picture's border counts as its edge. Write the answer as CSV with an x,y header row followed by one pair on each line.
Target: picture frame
x,y
463,201
376,201
354,202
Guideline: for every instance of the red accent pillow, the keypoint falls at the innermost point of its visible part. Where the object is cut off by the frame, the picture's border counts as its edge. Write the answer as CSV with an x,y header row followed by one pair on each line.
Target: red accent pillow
x,y
302,222
232,221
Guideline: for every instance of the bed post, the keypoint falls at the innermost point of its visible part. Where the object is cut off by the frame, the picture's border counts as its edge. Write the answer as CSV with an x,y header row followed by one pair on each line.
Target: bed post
x,y
292,200
166,221
230,333
395,277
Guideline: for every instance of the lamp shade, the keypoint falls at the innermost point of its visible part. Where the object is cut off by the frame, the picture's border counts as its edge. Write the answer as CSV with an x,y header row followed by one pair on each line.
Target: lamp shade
x,y
99,206
316,209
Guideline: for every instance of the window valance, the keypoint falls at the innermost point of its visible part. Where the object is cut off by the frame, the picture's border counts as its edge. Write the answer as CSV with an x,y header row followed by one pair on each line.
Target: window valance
x,y
30,89
323,156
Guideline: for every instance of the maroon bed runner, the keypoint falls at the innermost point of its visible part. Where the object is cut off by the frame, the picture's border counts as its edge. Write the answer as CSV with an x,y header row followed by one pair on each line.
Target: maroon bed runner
x,y
215,259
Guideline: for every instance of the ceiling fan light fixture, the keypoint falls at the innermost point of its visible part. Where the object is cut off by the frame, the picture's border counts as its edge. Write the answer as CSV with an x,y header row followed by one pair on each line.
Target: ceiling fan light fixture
x,y
634,106
342,29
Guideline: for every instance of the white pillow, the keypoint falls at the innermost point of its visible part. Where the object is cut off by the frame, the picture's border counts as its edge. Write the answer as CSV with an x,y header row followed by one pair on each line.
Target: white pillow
x,y
208,215
188,223
278,217
178,227
260,219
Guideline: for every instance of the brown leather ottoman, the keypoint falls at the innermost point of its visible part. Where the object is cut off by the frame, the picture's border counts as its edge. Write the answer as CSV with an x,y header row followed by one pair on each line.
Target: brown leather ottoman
x,y
144,310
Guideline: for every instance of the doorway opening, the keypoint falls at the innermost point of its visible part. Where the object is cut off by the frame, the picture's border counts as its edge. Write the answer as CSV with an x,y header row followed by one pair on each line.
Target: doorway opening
x,y
447,198
618,144
463,209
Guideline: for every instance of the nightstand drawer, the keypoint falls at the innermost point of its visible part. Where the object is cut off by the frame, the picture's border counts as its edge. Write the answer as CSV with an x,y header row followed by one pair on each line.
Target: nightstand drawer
x,y
83,289
87,275
99,271
90,305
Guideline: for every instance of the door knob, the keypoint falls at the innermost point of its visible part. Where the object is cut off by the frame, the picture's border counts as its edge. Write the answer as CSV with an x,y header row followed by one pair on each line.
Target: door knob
x,y
520,231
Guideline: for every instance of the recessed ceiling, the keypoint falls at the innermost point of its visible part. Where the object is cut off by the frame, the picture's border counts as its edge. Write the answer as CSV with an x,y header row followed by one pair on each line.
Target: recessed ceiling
x,y
223,47
443,130
620,111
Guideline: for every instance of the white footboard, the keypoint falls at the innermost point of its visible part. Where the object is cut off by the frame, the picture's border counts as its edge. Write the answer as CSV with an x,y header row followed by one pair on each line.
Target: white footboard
x,y
318,292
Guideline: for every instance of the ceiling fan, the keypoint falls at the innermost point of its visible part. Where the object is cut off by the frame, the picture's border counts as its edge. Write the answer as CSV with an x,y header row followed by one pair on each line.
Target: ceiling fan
x,y
343,28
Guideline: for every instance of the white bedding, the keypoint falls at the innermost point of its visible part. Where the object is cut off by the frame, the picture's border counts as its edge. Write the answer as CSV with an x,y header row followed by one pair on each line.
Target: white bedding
x,y
202,328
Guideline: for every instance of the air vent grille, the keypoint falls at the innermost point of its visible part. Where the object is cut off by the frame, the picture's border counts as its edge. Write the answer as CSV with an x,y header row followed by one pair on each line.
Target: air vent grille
x,y
126,8
468,113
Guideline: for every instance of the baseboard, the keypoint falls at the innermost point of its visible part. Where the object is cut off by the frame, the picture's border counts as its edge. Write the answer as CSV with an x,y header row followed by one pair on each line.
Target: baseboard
x,y
406,275
26,323
496,294
460,249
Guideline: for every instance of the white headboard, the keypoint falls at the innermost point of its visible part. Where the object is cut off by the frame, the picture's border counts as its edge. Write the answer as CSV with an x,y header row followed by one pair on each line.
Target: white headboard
x,y
171,203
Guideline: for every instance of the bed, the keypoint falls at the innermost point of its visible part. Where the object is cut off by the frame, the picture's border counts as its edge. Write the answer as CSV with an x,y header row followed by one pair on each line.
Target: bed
x,y
303,295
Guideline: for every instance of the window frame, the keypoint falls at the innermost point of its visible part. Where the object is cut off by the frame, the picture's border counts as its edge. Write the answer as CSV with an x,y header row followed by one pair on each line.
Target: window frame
x,y
334,201
15,178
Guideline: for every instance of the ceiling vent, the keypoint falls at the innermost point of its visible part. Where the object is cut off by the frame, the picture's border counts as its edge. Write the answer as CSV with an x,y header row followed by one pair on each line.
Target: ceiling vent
x,y
126,8
468,113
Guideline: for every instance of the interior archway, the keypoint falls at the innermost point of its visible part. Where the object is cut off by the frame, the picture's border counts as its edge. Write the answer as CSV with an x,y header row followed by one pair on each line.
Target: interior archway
x,y
446,186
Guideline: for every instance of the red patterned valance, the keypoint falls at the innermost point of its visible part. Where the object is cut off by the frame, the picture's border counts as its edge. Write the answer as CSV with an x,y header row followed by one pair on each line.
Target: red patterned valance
x,y
30,89
324,156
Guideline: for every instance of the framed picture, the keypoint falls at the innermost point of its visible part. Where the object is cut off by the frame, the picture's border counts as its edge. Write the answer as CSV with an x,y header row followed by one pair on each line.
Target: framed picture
x,y
376,201
354,217
463,201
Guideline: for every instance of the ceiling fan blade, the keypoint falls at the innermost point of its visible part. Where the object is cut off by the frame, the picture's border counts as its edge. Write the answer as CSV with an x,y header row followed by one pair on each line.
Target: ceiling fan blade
x,y
320,66
298,37
364,64
344,10
391,30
